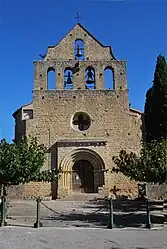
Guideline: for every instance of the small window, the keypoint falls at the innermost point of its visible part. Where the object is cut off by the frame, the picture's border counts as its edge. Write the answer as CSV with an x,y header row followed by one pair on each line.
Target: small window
x,y
27,114
81,121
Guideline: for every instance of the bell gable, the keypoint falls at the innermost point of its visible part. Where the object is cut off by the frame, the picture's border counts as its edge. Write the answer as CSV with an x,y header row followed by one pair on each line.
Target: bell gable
x,y
66,48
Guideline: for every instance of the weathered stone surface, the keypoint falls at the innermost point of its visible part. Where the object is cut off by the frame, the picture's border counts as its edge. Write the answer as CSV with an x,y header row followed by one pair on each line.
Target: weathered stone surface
x,y
113,125
30,190
156,191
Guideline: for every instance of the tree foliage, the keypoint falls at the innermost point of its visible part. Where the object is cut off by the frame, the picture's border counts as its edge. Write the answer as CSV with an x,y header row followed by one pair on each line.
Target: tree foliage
x,y
22,162
147,116
149,166
156,104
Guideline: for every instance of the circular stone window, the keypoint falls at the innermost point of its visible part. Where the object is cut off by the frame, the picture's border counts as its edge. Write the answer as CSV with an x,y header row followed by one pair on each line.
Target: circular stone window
x,y
81,121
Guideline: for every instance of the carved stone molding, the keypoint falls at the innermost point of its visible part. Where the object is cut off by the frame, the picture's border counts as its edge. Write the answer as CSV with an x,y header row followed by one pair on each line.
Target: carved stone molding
x,y
81,143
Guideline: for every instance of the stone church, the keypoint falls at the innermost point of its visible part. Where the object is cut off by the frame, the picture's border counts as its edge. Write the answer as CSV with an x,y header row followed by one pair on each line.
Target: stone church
x,y
82,122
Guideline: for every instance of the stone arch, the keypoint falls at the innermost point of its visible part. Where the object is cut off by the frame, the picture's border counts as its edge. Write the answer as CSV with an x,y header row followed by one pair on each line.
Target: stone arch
x,y
51,78
90,78
68,78
79,47
109,82
76,155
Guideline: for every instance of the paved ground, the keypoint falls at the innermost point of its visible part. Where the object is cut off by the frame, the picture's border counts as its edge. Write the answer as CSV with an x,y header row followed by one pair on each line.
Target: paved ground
x,y
83,213
80,224
82,238
58,213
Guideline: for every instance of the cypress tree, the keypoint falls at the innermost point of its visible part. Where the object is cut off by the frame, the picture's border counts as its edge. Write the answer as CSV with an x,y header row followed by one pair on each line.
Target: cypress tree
x,y
147,111
156,103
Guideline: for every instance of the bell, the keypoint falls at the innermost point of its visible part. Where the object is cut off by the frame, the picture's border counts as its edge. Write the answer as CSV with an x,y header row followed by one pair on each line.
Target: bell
x,y
90,76
78,54
90,80
69,80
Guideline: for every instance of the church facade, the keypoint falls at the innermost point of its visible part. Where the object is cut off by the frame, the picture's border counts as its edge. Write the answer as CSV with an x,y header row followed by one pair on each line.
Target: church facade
x,y
82,122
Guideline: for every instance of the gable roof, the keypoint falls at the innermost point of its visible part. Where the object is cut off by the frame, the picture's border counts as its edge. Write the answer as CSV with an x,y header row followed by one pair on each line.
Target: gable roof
x,y
94,38
90,35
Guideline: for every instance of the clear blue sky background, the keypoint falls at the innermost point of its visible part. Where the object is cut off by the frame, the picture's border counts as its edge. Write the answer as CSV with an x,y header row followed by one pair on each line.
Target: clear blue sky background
x,y
136,30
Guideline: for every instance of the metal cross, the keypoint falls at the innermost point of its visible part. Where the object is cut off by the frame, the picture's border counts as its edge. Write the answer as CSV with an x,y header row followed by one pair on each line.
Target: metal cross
x,y
78,17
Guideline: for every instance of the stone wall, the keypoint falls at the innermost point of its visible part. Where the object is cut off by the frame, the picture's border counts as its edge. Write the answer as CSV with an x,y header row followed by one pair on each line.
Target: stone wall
x,y
30,190
125,187
156,191
111,119
62,56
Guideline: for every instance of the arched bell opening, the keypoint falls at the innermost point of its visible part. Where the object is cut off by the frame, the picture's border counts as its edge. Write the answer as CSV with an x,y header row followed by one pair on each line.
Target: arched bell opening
x,y
68,79
79,49
90,81
51,78
109,78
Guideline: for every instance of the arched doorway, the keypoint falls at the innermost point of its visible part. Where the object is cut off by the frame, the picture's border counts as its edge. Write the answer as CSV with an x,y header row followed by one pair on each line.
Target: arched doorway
x,y
83,177
74,165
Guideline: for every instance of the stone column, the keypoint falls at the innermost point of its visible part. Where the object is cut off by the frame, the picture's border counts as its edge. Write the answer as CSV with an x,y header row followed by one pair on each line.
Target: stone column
x,y
59,78
106,179
40,75
96,179
79,78
99,77
69,181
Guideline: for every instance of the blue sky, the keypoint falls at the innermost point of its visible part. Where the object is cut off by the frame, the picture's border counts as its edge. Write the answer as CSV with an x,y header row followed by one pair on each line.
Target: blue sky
x,y
136,30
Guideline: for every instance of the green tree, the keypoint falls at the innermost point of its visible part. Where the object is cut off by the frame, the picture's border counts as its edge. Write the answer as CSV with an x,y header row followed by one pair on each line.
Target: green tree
x,y
147,116
156,103
149,166
22,162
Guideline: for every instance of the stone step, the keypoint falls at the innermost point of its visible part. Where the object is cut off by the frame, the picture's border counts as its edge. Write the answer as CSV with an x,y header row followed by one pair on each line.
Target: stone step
x,y
81,197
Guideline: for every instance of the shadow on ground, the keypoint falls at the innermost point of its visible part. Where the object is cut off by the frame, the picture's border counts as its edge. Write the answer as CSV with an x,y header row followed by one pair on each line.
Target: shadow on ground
x,y
127,213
